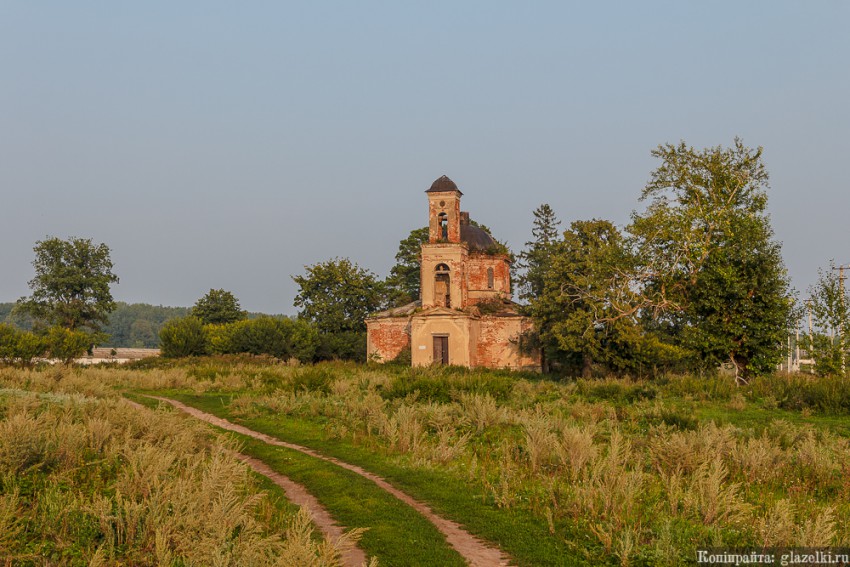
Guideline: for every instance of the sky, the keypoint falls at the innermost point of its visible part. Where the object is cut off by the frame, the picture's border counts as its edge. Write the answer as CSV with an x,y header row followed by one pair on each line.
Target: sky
x,y
228,145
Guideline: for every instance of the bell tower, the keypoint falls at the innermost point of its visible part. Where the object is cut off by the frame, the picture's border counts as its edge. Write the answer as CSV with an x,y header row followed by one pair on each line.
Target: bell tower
x,y
444,212
444,256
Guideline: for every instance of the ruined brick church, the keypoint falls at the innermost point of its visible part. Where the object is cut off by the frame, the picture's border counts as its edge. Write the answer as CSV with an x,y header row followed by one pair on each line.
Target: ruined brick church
x,y
465,315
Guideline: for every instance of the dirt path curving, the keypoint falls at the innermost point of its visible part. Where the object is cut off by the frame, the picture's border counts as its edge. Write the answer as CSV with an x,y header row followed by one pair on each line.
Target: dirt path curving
x,y
351,555
476,552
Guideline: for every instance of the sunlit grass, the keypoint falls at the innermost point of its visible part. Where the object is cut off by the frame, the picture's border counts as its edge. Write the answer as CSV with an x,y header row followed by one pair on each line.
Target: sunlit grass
x,y
635,472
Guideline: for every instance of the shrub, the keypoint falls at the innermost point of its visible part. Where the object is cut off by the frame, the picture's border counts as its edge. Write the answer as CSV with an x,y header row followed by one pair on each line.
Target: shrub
x,y
219,338
66,345
8,342
21,347
346,345
259,336
313,379
829,394
281,338
616,391
183,337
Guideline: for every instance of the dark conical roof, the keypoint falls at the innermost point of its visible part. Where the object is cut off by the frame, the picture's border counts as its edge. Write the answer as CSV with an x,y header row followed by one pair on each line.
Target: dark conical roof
x,y
443,184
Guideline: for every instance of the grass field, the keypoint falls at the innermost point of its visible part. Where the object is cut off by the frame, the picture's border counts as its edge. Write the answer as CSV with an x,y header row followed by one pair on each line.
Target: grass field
x,y
87,479
615,472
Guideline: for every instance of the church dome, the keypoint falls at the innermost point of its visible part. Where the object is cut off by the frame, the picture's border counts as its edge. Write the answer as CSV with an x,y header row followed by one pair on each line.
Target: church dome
x,y
443,184
476,238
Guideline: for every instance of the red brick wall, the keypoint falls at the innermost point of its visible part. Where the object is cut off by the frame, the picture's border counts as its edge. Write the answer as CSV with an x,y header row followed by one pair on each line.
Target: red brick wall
x,y
476,276
387,338
451,207
497,344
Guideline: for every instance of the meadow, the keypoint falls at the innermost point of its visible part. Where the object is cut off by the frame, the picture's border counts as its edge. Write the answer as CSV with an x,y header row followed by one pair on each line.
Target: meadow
x,y
571,472
86,478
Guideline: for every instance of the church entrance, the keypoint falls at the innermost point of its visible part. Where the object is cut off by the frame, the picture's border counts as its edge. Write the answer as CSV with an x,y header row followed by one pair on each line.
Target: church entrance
x,y
441,349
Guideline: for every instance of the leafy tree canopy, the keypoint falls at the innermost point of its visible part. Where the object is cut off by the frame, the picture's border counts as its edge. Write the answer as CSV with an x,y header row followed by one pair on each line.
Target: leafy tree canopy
x,y
708,261
829,303
404,281
573,313
218,307
71,287
338,295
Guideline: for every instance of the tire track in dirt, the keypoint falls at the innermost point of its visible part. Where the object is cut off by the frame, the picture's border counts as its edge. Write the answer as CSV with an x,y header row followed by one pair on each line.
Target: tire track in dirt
x,y
351,555
474,550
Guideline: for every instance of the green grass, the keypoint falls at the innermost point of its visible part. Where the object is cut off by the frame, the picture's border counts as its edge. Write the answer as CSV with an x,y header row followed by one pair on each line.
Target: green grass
x,y
85,480
611,471
755,416
523,536
397,535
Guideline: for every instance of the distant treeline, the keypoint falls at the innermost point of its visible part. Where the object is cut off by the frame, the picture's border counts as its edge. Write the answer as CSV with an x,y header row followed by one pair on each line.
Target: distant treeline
x,y
133,325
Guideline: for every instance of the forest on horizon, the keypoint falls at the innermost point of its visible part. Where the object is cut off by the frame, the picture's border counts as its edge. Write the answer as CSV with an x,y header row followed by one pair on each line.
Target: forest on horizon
x,y
131,325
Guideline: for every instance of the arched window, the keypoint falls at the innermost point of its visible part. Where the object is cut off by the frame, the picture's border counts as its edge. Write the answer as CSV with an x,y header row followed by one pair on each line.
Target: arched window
x,y
442,286
444,226
490,278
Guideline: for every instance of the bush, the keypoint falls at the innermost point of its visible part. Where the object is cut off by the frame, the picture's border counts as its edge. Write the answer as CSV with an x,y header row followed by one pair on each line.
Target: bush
x,y
66,345
219,338
616,391
828,394
281,338
183,337
346,345
313,379
8,342
404,357
445,384
21,347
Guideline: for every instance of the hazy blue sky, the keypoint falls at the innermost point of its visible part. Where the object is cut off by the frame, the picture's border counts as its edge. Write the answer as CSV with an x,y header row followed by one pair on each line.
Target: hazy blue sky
x,y
226,145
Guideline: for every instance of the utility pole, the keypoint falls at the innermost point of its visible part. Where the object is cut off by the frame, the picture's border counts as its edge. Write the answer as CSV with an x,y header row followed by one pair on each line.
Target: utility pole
x,y
841,278
810,340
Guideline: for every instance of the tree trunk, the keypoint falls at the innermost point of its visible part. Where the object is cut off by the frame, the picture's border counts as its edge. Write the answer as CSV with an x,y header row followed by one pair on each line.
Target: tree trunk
x,y
587,366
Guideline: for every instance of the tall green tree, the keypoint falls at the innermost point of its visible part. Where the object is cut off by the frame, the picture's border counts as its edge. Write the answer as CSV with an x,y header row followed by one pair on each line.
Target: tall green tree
x,y
71,287
574,314
709,263
830,305
338,295
218,307
403,283
534,261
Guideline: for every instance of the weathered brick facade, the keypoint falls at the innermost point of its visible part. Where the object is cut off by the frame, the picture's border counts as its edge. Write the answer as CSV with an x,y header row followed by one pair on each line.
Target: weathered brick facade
x,y
387,337
462,269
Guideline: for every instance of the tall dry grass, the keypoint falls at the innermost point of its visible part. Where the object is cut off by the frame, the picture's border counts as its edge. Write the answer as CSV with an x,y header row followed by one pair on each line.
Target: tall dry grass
x,y
97,481
584,454
638,476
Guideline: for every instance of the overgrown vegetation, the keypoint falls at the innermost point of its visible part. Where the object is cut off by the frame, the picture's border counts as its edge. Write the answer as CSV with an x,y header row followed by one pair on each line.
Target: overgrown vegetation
x,y
631,471
283,338
695,280
86,479
24,348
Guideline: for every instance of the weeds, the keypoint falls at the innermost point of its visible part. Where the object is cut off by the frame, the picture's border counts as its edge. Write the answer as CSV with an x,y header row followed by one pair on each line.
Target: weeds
x,y
95,481
624,468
